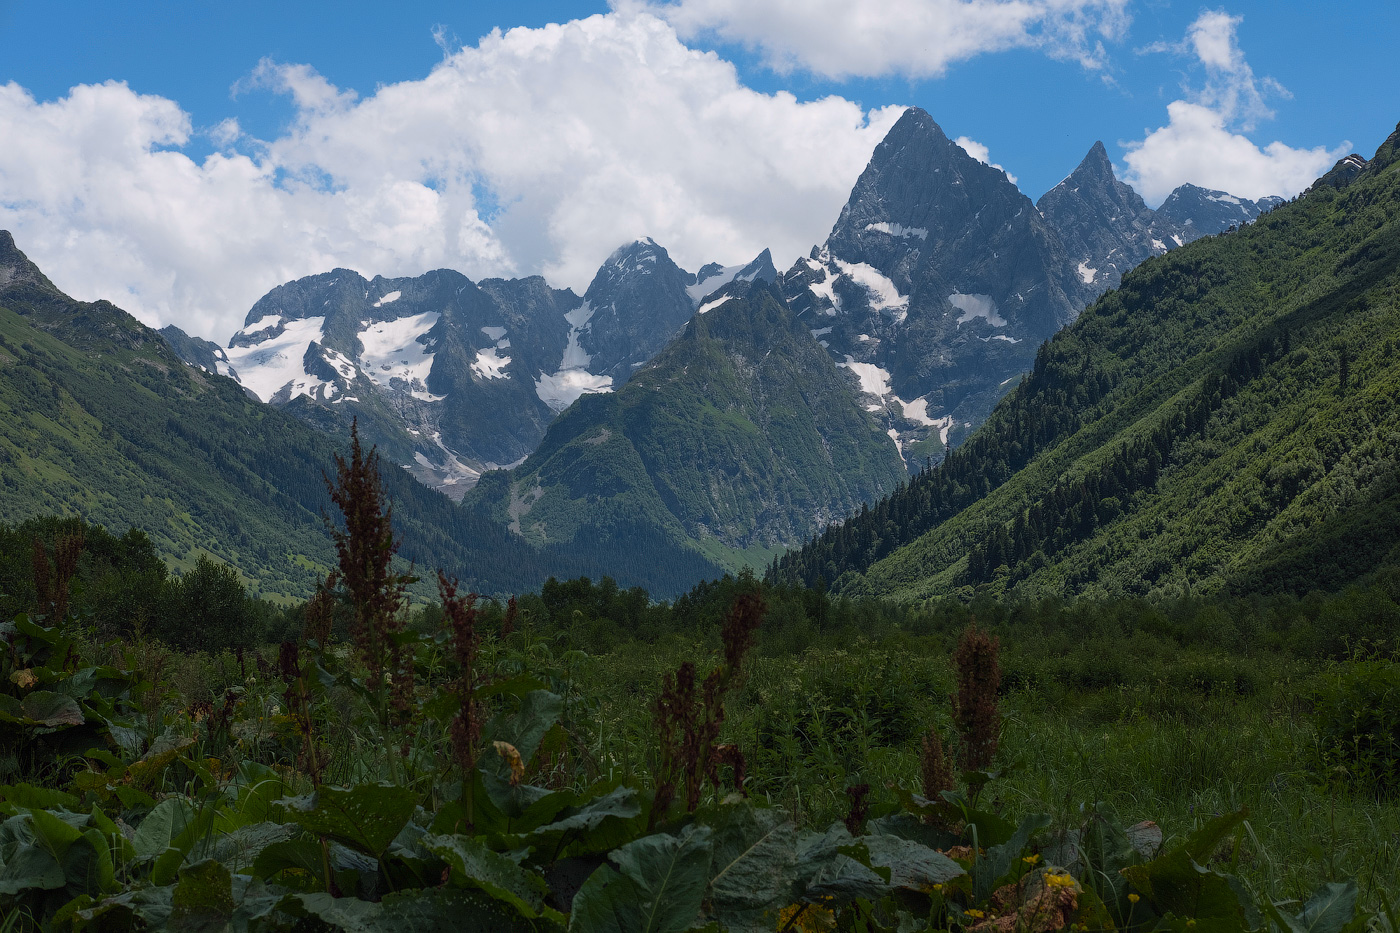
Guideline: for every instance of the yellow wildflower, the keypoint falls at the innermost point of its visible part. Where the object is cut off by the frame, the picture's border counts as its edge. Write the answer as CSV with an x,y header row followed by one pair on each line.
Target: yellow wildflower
x,y
1133,898
975,914
1031,859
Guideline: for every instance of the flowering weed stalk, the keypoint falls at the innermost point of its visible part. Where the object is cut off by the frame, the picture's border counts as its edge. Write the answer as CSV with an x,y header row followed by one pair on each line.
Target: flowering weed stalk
x,y
688,716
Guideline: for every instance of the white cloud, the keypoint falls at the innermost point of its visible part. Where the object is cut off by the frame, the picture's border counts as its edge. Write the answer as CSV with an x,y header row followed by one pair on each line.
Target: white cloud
x,y
1203,141
571,139
980,152
913,38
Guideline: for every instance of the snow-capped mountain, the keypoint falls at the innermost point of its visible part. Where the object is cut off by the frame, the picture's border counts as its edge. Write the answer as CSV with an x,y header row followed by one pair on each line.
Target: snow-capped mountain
x,y
937,284
1107,229
452,377
940,279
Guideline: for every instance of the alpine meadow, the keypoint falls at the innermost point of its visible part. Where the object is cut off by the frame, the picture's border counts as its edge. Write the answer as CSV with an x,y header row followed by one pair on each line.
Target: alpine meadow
x,y
413,557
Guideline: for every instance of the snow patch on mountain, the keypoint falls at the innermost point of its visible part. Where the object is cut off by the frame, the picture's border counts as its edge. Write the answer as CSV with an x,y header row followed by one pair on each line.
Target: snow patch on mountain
x,y
562,388
392,296
393,351
917,411
711,305
898,230
266,367
1086,273
975,306
884,296
489,364
873,379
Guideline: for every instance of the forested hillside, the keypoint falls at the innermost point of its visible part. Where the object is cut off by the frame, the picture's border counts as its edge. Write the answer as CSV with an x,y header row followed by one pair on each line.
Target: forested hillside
x,y
1225,420
100,419
741,436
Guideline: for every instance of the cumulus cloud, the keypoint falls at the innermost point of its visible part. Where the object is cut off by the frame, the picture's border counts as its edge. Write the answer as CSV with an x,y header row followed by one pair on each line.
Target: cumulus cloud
x,y
912,38
536,151
982,154
1204,143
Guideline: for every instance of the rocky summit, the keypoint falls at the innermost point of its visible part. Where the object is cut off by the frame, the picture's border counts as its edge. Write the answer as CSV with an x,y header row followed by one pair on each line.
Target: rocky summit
x,y
452,377
940,279
935,287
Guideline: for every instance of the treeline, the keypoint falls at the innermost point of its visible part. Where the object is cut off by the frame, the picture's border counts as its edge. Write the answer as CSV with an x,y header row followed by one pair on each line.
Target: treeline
x,y
120,586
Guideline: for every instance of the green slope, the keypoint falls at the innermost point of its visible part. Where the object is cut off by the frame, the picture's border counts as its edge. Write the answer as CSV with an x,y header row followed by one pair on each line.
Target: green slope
x,y
100,419
740,438
1190,432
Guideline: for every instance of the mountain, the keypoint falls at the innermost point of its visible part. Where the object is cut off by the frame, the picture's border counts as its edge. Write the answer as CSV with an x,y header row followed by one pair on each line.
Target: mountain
x,y
938,281
1224,421
452,377
940,278
100,418
1107,229
739,438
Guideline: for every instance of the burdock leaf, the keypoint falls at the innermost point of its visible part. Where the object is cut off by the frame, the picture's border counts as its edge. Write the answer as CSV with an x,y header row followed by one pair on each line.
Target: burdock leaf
x,y
366,817
474,865
45,708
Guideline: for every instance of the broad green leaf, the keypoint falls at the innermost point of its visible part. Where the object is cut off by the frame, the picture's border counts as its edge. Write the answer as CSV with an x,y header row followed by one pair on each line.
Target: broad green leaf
x,y
53,833
539,709
474,865
366,817
301,857
594,827
162,753
663,885
192,839
42,798
607,902
45,708
434,910
31,867
908,826
100,871
258,787
912,866
991,869
1175,884
1202,843
203,900
123,852
241,848
161,826
1330,908
843,879
751,870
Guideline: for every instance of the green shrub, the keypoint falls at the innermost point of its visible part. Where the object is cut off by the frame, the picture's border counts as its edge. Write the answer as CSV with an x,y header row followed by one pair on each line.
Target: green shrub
x,y
1357,716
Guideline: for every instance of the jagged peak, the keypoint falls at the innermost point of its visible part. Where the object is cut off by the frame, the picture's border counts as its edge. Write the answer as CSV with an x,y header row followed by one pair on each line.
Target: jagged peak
x,y
1096,162
17,269
640,246
1388,151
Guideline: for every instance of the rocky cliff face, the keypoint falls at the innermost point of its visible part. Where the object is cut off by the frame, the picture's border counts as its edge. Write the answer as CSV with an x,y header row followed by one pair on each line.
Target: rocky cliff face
x,y
453,377
935,287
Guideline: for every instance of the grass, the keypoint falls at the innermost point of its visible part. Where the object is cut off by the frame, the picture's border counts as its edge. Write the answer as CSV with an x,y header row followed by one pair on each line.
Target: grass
x,y
1171,736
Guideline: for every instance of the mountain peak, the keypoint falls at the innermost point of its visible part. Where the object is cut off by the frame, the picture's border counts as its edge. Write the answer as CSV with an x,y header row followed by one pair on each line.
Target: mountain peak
x,y
1096,162
16,268
1388,152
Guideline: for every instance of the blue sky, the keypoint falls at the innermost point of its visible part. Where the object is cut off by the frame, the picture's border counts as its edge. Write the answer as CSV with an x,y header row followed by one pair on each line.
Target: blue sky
x,y
245,144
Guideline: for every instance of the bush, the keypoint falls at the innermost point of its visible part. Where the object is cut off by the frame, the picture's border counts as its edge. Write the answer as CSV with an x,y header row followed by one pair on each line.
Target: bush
x,y
1358,726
